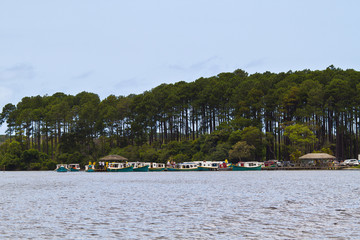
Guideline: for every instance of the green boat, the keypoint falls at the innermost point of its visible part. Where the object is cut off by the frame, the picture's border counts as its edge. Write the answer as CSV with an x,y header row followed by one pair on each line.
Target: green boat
x,y
247,166
139,166
183,167
141,169
119,167
157,169
61,168
125,169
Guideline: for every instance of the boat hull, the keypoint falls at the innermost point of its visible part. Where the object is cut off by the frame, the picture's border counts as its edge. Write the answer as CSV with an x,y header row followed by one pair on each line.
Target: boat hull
x,y
156,169
239,168
207,169
141,169
74,170
127,169
182,169
61,169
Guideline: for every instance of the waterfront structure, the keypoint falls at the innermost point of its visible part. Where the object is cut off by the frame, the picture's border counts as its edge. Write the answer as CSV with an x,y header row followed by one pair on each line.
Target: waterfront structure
x,y
320,160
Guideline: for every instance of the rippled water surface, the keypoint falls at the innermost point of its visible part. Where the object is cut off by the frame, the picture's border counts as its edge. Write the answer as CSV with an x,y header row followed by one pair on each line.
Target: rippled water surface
x,y
173,205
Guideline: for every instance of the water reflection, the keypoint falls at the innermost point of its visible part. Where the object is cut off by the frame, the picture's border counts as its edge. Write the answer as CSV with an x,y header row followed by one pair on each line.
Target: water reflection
x,y
200,205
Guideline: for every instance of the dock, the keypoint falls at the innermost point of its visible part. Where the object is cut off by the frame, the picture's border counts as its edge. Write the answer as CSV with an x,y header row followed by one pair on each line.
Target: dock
x,y
302,168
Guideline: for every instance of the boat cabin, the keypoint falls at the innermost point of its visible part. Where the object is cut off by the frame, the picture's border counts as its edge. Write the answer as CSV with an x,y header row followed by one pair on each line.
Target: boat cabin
x,y
154,165
187,165
209,164
58,166
117,165
74,166
249,164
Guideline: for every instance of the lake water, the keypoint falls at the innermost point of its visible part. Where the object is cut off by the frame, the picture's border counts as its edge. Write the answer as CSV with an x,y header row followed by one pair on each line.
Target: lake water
x,y
180,205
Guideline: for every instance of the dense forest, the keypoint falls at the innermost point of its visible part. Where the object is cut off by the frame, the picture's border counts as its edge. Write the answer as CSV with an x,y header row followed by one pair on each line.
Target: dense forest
x,y
233,116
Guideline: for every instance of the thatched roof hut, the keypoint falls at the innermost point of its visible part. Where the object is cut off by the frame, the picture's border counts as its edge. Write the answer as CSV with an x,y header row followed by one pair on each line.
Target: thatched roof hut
x,y
317,156
316,159
110,158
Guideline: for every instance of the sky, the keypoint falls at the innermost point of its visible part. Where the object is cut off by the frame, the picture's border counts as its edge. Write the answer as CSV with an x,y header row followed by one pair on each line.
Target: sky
x,y
123,47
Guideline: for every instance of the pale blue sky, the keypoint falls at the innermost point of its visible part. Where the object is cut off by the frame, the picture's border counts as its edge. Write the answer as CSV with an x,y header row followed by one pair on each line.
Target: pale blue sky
x,y
123,47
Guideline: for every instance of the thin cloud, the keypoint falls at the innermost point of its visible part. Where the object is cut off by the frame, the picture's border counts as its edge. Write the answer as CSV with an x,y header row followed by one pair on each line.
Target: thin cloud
x,y
17,72
5,94
84,75
176,67
254,64
204,64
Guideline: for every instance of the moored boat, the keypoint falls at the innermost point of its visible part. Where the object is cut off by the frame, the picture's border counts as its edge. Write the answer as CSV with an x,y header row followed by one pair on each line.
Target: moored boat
x,y
90,168
208,165
139,166
61,167
74,167
156,167
247,166
184,167
141,169
119,167
225,166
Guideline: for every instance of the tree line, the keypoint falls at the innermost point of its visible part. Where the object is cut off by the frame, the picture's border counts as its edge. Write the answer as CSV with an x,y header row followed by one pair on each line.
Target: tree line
x,y
275,115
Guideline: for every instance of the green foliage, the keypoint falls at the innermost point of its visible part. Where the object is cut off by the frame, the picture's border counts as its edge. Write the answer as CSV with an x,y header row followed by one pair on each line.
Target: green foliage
x,y
199,156
148,154
325,150
235,137
241,150
277,114
294,156
220,153
300,135
301,138
3,138
181,158
75,157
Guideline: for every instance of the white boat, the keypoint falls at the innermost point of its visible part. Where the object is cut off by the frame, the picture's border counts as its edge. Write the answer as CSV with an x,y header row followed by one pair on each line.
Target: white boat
x,y
247,166
139,166
74,167
208,165
186,166
119,167
156,167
